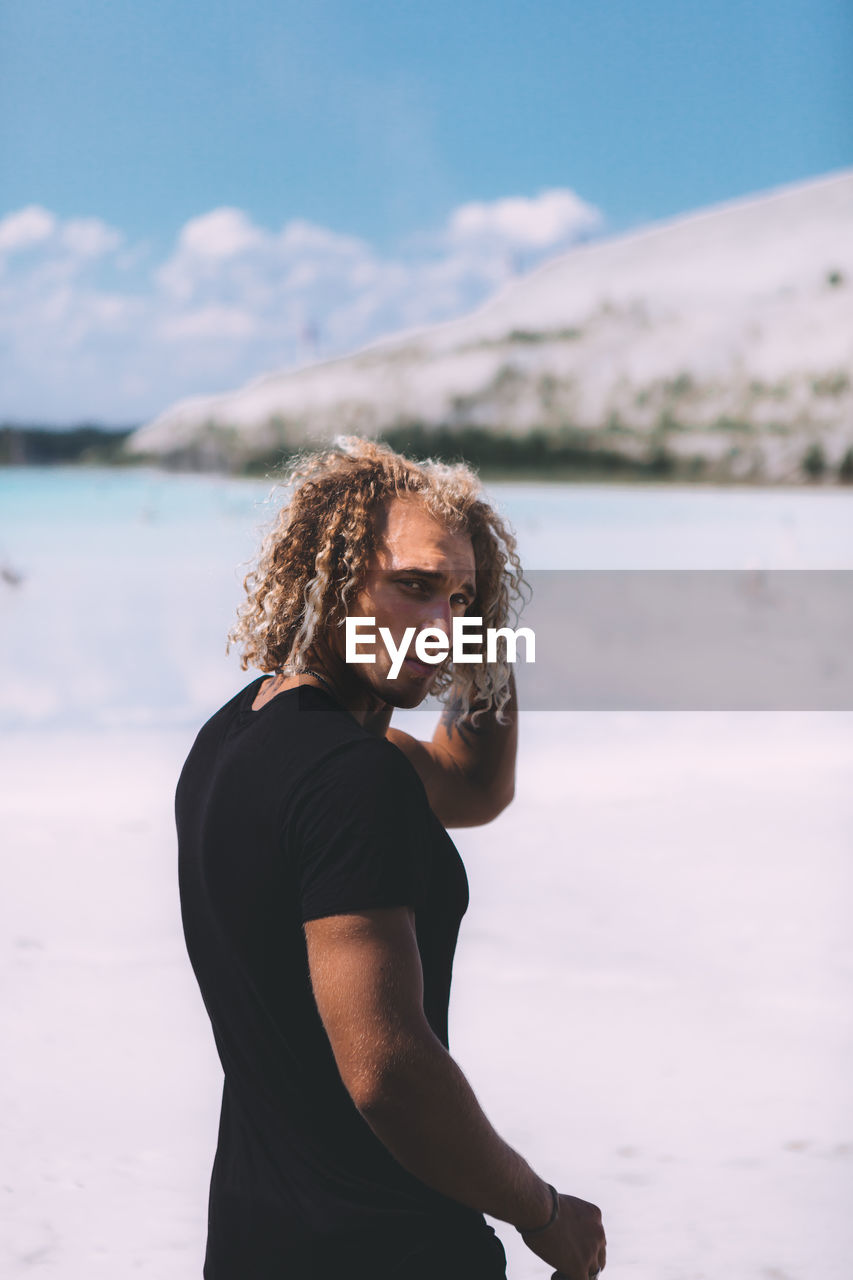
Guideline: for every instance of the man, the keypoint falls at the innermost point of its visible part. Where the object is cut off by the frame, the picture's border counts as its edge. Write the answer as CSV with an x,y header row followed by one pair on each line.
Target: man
x,y
321,896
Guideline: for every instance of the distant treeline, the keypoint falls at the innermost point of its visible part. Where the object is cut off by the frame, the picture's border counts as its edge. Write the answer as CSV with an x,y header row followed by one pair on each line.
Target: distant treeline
x,y
44,446
562,454
565,454
537,452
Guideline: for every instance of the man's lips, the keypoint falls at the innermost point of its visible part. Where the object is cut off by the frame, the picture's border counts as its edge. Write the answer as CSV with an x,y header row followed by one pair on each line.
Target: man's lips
x,y
420,668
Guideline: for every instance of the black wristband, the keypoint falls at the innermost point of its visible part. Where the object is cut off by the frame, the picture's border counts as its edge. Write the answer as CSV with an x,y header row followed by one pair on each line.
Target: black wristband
x,y
555,1213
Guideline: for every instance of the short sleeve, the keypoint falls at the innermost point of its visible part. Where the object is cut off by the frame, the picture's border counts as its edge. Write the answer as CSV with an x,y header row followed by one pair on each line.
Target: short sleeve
x,y
358,832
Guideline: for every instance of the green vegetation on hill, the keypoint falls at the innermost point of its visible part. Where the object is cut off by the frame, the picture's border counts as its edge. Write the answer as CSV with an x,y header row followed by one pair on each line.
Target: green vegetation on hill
x,y
537,452
47,446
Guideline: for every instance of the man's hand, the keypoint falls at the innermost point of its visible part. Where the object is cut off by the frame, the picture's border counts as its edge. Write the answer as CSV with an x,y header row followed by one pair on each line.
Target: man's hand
x,y
574,1243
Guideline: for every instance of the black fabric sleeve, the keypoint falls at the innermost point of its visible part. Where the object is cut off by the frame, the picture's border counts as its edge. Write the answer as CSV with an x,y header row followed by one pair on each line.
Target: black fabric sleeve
x,y
358,832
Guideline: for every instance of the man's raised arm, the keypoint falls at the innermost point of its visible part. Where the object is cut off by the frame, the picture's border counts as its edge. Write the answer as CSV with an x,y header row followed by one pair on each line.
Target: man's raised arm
x,y
468,769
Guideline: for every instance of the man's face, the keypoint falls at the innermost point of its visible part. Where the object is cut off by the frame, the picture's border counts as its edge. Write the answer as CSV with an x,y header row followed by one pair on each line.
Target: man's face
x,y
422,575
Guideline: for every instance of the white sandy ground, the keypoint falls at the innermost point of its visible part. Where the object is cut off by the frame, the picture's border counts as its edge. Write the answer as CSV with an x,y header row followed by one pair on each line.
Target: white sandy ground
x,y
652,996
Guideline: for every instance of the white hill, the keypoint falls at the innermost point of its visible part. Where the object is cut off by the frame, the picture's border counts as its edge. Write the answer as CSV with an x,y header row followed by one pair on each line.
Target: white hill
x,y
726,334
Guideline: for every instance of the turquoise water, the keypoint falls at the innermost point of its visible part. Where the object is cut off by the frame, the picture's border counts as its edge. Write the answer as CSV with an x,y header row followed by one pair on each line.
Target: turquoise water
x,y
559,526
120,586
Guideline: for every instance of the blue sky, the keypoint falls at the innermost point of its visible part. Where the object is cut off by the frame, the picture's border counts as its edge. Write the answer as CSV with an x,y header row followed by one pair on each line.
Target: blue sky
x,y
372,123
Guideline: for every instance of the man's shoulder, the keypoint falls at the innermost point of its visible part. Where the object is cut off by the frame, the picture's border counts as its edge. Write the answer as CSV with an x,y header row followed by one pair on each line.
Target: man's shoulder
x,y
361,759
233,707
307,748
208,740
356,777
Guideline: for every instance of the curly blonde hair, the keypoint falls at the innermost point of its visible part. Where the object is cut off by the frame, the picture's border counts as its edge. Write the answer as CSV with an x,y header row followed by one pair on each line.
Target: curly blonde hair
x,y
316,554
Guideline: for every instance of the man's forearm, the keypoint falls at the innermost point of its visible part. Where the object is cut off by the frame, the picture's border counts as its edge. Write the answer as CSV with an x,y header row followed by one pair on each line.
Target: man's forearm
x,y
425,1112
484,749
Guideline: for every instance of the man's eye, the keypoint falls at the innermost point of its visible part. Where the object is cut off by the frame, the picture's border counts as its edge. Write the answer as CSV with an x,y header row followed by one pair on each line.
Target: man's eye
x,y
413,582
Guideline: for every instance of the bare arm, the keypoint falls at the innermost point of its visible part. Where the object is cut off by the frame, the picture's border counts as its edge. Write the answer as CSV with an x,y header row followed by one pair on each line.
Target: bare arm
x,y
366,973
400,1076
468,770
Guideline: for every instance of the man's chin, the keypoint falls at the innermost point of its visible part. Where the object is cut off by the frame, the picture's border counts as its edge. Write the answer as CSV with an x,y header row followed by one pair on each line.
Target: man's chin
x,y
408,690
398,695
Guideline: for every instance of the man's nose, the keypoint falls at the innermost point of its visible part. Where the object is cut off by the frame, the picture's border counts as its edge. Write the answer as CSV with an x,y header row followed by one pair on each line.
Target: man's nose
x,y
441,616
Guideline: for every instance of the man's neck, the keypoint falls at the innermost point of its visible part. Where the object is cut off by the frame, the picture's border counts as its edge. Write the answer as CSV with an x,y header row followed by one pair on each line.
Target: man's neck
x,y
371,711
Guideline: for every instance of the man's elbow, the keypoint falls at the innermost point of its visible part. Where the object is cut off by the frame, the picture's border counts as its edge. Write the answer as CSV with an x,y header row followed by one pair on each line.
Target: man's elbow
x,y
488,802
375,1098
505,797
383,1084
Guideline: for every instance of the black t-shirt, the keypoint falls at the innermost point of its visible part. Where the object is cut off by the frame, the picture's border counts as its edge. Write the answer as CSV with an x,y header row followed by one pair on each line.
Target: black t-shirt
x,y
285,815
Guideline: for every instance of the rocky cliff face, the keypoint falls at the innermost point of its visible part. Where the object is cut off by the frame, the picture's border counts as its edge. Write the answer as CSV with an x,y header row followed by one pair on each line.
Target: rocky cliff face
x,y
725,336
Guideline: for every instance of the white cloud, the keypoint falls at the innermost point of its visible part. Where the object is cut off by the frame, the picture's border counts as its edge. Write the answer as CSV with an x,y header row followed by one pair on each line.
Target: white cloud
x,y
25,228
543,222
89,237
90,326
223,233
